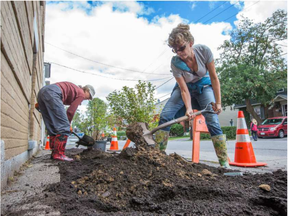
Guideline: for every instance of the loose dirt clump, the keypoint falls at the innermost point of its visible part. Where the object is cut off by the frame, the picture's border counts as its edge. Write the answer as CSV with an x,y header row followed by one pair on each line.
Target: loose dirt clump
x,y
134,132
146,181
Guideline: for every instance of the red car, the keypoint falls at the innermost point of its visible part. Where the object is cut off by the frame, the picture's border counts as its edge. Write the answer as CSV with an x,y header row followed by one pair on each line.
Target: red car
x,y
273,127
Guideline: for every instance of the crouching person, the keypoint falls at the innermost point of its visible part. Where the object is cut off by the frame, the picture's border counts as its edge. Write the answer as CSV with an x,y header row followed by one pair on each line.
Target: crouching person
x,y
51,101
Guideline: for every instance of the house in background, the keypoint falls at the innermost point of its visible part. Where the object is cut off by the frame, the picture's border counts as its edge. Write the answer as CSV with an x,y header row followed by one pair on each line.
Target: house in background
x,y
22,75
227,114
277,106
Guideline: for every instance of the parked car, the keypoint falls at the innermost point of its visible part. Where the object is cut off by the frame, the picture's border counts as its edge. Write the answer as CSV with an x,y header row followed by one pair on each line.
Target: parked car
x,y
273,127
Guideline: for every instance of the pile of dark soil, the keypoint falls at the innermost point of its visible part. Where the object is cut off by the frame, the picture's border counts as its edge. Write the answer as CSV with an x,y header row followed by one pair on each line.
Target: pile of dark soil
x,y
146,181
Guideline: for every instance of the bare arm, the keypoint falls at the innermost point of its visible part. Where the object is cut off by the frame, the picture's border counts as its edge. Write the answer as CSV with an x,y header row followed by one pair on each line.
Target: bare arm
x,y
215,85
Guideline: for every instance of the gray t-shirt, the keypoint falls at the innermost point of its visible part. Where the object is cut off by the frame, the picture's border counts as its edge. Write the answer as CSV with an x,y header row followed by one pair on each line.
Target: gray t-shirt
x,y
203,56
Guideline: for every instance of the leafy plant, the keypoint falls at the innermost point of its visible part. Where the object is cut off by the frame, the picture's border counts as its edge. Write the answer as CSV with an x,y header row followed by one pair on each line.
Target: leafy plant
x,y
96,116
133,104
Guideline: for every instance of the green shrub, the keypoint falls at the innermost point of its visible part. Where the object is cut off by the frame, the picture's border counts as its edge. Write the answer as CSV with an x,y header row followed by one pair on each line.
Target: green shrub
x,y
204,136
121,134
176,130
229,131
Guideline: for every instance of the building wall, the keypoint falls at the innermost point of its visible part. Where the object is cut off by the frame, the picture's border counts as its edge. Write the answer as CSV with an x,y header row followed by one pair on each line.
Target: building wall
x,y
22,53
226,115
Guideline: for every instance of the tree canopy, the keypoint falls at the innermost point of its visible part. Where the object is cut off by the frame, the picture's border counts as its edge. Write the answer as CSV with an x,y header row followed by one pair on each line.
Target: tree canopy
x,y
252,64
96,116
95,120
133,104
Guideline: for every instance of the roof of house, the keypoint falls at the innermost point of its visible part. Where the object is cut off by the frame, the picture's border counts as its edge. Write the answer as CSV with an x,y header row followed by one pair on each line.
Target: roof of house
x,y
253,103
159,106
280,97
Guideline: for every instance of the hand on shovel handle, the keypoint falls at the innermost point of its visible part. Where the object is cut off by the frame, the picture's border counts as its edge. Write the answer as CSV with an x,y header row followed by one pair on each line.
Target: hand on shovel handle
x,y
190,114
216,107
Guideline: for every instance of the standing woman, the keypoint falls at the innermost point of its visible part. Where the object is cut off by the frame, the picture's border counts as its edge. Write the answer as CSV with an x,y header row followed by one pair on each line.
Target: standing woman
x,y
197,85
254,129
51,100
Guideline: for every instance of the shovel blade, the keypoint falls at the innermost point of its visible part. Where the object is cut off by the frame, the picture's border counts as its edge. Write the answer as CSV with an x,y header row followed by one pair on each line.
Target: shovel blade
x,y
147,135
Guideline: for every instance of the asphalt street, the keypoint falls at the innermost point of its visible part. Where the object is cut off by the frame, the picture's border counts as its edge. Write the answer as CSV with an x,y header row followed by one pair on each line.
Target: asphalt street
x,y
272,151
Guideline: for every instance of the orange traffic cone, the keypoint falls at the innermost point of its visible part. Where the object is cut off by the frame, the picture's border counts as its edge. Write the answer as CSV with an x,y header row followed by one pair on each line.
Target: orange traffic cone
x,y
114,141
244,153
47,146
127,143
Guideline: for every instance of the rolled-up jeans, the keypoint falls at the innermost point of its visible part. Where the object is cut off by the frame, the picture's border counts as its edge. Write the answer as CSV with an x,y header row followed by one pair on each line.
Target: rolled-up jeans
x,y
175,108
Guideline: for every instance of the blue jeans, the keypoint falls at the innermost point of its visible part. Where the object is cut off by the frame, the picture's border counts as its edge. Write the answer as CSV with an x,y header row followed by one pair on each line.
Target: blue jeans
x,y
175,108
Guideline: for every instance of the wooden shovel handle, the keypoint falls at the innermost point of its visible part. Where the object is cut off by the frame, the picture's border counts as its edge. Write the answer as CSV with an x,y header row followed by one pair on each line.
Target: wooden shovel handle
x,y
174,121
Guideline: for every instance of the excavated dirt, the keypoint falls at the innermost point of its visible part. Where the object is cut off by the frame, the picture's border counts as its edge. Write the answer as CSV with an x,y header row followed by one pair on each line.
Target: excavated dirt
x,y
146,181
134,132
149,182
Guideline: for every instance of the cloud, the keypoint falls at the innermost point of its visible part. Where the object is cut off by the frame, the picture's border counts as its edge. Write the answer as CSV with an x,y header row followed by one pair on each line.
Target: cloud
x,y
237,4
109,36
116,34
134,7
193,6
259,11
211,5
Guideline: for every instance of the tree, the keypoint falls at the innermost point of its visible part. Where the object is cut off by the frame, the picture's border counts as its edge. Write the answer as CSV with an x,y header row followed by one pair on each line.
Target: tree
x,y
81,122
133,105
96,116
111,120
251,65
77,120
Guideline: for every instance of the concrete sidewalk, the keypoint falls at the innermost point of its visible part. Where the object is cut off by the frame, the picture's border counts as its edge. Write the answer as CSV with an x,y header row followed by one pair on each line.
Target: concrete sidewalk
x,y
33,177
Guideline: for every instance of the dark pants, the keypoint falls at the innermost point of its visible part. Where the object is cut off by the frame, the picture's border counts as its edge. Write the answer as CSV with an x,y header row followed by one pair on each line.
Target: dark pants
x,y
53,111
254,135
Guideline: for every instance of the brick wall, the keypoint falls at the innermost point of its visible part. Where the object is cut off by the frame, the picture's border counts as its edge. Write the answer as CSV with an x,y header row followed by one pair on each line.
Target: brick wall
x,y
21,78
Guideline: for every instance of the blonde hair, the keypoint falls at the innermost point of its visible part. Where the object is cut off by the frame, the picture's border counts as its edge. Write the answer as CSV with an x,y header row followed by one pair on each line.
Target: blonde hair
x,y
179,34
254,121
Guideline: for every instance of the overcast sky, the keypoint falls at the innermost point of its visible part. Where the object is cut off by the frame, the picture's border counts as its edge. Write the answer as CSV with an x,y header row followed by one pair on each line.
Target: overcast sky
x,y
113,44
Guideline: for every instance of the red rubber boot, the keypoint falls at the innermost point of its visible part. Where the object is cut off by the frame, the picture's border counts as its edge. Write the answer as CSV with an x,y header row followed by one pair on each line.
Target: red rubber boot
x,y
59,148
52,145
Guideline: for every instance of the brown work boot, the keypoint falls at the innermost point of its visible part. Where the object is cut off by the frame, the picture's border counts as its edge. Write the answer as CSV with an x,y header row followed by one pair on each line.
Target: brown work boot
x,y
58,152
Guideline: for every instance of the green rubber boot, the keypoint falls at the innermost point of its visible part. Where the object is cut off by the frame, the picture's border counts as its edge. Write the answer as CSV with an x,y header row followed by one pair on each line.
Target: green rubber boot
x,y
219,142
161,139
